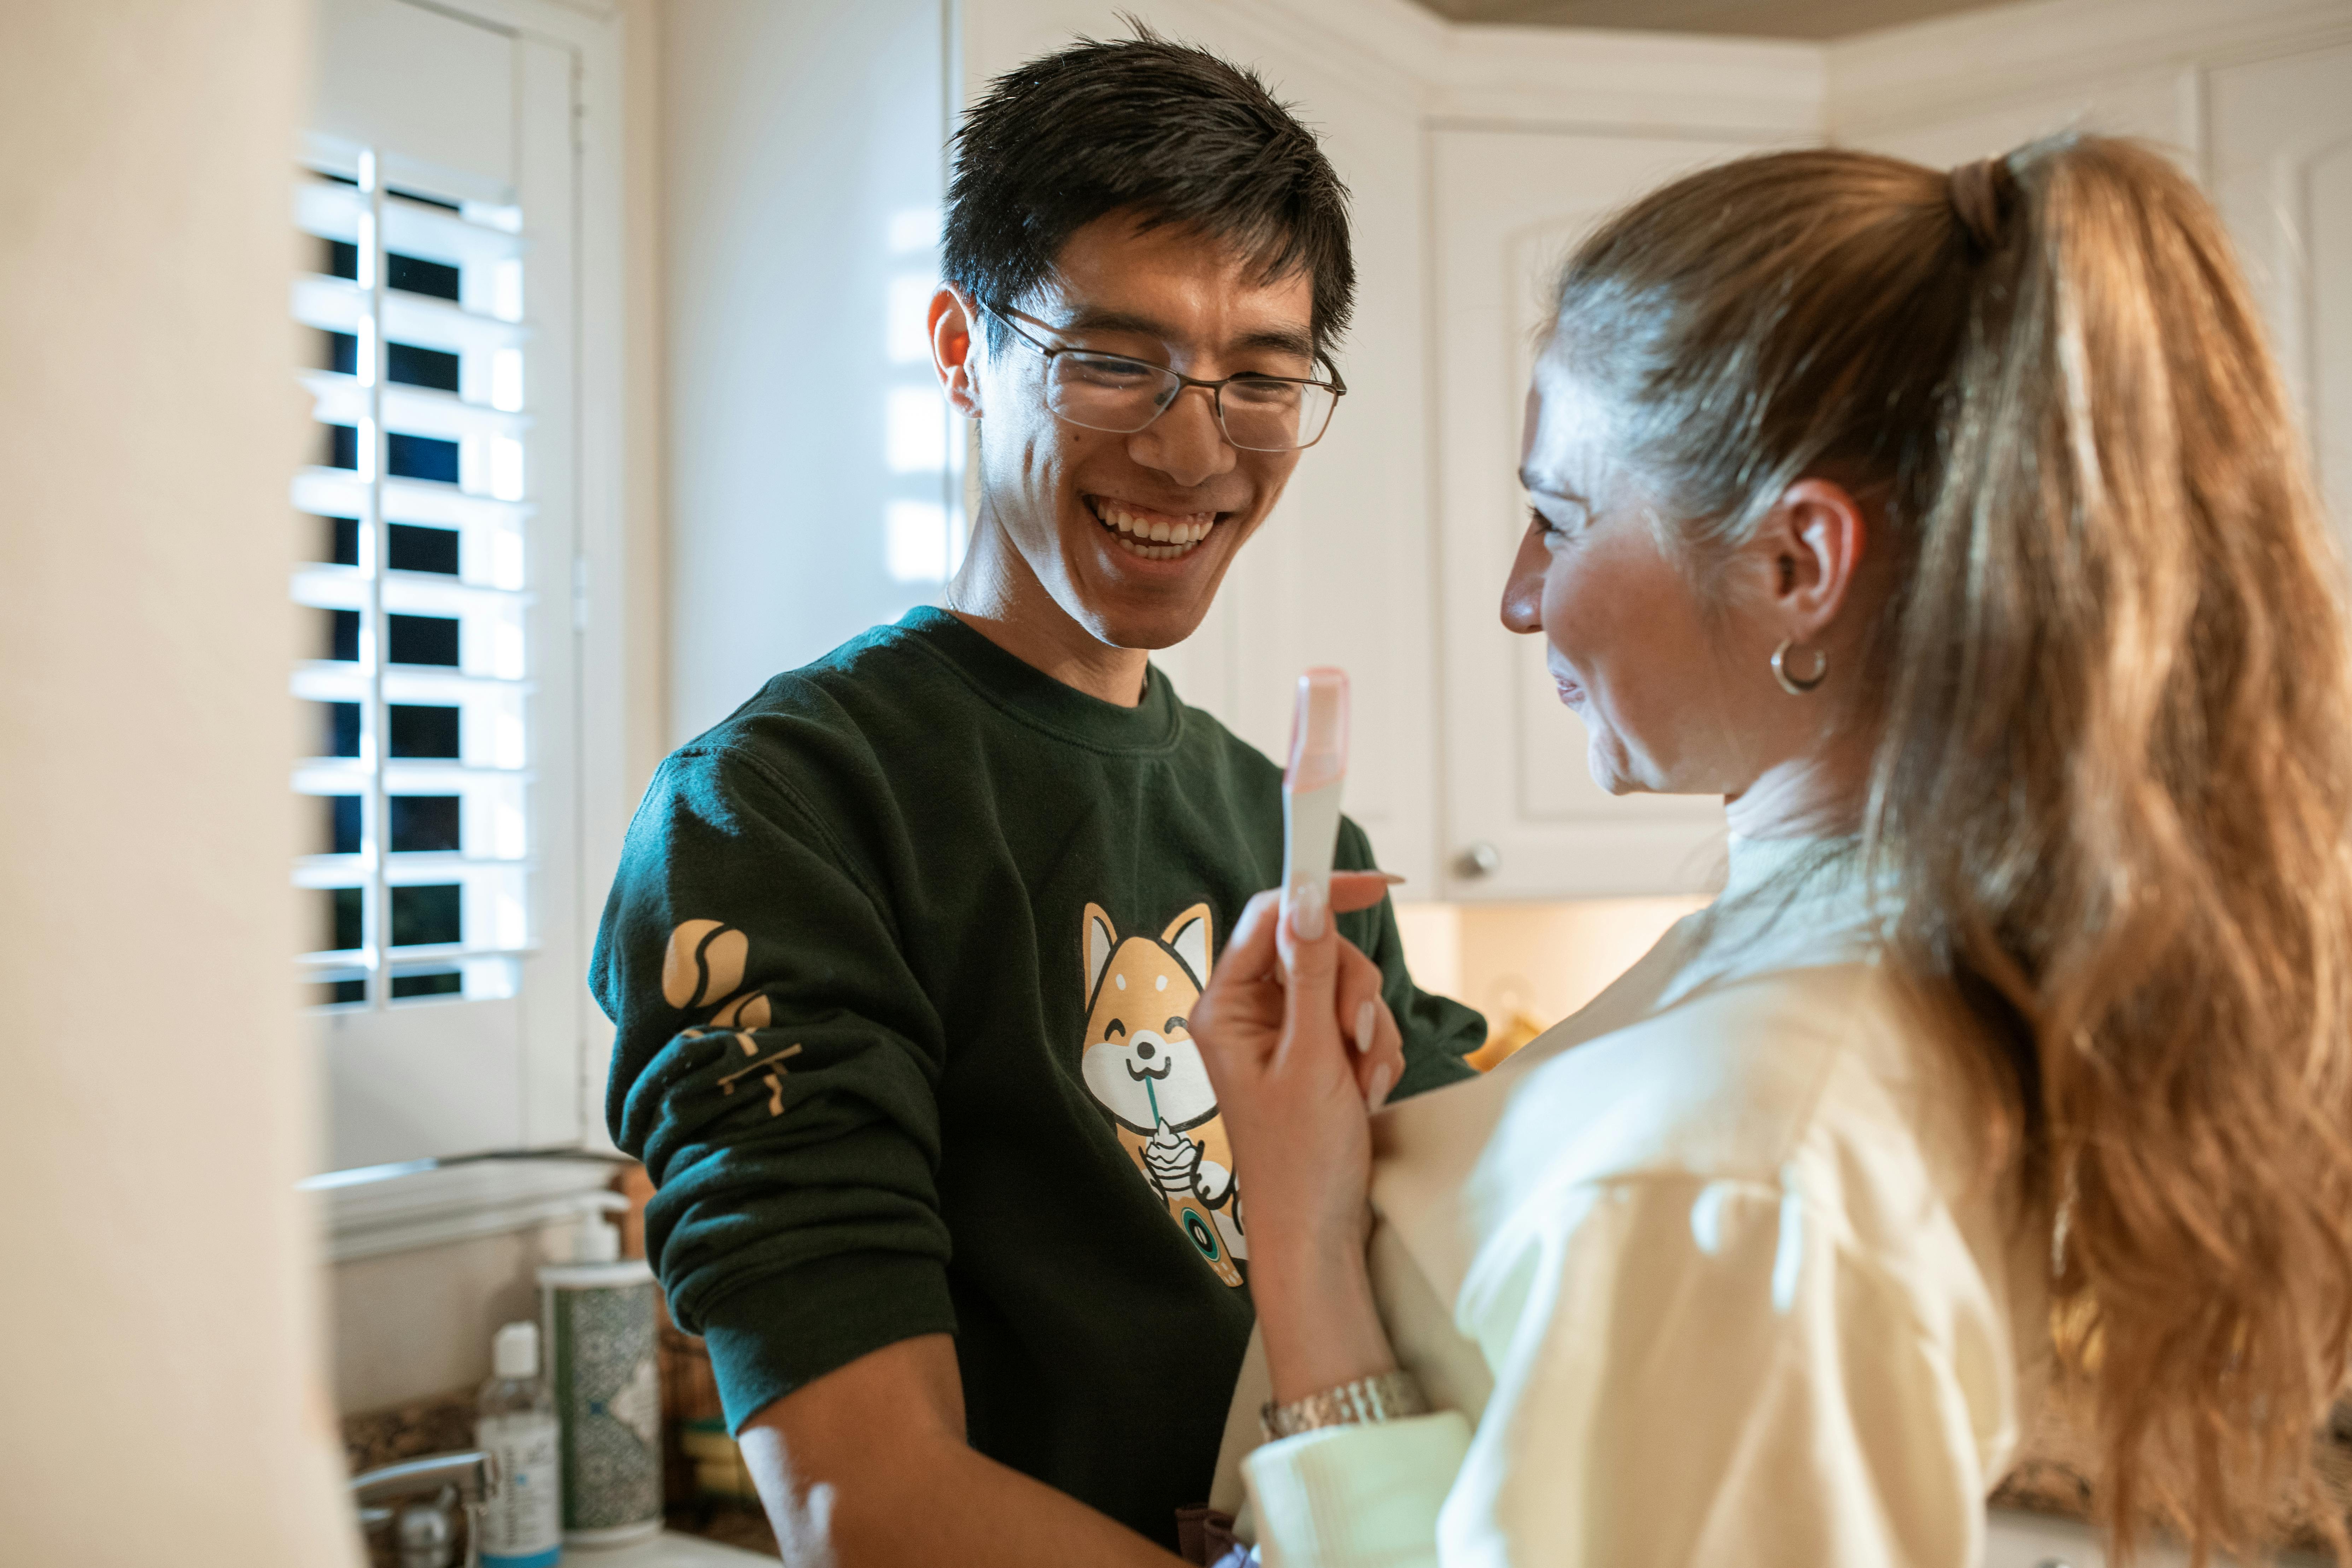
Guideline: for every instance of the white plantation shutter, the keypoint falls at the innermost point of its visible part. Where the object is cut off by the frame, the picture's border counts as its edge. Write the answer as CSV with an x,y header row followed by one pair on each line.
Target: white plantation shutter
x,y
439,536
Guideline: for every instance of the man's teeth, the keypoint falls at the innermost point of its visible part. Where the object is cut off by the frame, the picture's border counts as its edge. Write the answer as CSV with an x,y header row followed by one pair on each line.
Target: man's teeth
x,y
1157,538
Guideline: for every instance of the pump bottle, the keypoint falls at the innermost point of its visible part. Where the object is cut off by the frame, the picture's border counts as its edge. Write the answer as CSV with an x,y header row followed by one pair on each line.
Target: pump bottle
x,y
600,1314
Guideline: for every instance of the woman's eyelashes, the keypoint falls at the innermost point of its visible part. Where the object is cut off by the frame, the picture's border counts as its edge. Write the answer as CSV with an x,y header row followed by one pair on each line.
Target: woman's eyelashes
x,y
1562,519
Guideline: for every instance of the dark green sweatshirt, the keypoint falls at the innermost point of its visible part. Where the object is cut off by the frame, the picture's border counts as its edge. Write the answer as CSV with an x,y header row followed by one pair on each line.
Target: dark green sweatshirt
x,y
900,956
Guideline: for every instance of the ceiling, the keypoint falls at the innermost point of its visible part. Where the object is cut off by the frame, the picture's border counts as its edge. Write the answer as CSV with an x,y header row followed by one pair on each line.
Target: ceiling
x,y
1813,19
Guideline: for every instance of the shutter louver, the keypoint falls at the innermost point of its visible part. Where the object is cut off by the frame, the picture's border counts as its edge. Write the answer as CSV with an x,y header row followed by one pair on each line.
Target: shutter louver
x,y
417,512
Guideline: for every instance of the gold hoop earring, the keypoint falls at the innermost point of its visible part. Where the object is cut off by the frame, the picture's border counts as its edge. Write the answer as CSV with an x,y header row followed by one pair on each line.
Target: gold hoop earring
x,y
1798,686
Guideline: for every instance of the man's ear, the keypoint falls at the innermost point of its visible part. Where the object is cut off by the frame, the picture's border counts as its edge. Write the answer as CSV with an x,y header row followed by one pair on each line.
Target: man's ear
x,y
953,319
1812,545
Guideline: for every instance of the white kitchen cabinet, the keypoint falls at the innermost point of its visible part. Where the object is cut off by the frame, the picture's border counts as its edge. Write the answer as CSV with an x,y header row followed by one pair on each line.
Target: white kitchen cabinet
x,y
1509,204
2255,97
2279,162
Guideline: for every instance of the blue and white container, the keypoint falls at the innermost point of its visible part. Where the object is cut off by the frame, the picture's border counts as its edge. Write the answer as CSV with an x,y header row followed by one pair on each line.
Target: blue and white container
x,y
599,1310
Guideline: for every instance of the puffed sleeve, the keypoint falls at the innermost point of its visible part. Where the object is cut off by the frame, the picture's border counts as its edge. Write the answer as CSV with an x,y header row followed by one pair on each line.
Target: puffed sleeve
x,y
1699,1371
1686,1371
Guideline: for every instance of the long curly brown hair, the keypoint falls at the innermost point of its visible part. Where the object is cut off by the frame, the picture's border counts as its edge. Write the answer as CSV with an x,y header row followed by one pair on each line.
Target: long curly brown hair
x,y
2114,709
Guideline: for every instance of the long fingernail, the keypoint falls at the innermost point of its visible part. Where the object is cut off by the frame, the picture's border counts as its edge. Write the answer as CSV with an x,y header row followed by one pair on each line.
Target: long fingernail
x,y
1377,1095
1306,912
1367,1016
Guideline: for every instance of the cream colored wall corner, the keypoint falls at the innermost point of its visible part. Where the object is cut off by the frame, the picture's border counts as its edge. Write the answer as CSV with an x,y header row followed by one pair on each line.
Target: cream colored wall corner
x,y
426,1263
642,675
410,1325
646,601
158,1303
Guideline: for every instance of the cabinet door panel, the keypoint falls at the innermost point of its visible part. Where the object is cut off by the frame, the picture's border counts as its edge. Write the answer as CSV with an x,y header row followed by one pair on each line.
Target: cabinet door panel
x,y
1509,206
2279,159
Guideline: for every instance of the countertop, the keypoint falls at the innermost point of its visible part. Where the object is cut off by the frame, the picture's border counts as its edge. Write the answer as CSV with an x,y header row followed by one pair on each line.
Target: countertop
x,y
667,1550
2015,1540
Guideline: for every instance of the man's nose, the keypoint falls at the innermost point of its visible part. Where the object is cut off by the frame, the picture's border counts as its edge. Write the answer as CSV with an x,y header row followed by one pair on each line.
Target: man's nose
x,y
1184,442
1523,590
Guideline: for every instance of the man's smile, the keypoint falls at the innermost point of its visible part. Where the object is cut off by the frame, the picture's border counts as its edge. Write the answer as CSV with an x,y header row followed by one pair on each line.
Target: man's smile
x,y
1151,534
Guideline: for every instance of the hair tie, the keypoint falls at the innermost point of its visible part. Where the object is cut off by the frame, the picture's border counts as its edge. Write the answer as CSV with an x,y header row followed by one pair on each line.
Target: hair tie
x,y
1983,195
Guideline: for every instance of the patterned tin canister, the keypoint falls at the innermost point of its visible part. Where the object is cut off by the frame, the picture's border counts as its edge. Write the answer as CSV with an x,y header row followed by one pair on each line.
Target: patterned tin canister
x,y
600,1327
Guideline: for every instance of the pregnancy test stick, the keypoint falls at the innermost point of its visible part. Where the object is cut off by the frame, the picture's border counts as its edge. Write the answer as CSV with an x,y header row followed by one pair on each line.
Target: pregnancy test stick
x,y
1311,783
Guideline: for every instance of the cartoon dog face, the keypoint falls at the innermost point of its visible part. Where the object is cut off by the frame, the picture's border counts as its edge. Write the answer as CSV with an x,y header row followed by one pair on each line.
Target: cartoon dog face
x,y
1140,1060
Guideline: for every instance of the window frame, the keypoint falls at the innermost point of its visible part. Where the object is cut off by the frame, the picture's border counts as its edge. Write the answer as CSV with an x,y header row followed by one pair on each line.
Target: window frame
x,y
582,646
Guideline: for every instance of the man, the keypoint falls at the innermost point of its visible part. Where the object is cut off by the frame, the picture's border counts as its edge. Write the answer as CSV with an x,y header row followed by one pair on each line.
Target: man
x,y
902,952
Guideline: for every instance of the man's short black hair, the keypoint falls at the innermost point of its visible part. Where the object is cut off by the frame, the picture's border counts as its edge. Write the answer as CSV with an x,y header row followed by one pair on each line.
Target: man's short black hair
x,y
1164,128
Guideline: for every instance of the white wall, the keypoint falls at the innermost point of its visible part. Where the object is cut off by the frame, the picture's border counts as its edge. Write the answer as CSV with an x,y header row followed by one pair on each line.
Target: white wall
x,y
159,1344
796,136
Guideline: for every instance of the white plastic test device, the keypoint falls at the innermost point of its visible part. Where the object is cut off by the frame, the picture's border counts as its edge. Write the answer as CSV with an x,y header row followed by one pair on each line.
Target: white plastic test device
x,y
1311,784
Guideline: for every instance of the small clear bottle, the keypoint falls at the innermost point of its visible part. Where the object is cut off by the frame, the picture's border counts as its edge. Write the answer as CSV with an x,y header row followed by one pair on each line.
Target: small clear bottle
x,y
523,1522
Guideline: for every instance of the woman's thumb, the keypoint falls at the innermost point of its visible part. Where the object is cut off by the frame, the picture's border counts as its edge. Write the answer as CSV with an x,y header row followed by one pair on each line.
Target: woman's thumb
x,y
1311,953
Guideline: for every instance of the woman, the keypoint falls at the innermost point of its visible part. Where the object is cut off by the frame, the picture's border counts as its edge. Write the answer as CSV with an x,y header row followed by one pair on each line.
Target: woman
x,y
1952,528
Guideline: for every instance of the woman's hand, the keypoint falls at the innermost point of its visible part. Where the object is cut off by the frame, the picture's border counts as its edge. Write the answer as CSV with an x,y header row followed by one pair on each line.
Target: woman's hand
x,y
1297,1043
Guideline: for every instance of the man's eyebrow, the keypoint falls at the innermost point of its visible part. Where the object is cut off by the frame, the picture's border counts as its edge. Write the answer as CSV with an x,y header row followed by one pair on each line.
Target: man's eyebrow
x,y
1297,340
1280,339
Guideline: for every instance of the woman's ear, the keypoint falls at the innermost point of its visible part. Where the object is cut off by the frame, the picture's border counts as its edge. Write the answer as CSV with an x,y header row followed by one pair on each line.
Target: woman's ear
x,y
951,320
1813,544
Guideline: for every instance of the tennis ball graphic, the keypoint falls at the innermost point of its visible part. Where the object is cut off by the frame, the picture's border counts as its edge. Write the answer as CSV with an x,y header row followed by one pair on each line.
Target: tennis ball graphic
x,y
704,963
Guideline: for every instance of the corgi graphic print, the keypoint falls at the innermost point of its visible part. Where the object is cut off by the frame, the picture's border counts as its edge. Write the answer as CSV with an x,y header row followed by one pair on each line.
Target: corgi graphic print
x,y
1140,1065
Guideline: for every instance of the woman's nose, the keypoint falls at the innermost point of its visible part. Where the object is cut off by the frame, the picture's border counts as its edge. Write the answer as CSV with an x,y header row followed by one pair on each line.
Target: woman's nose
x,y
1523,591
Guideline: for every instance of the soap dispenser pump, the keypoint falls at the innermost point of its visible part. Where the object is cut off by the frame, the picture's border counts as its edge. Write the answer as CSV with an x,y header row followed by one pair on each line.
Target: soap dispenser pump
x,y
601,1314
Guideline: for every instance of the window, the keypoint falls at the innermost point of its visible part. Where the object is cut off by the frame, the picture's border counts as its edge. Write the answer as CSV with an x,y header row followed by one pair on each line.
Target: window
x,y
437,525
427,671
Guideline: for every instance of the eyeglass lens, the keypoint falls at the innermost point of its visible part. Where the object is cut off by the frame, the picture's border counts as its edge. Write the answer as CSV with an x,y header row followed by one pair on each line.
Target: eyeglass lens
x,y
1105,392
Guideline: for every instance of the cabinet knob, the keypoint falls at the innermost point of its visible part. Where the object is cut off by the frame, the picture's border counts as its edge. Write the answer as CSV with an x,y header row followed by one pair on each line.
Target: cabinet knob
x,y
1481,860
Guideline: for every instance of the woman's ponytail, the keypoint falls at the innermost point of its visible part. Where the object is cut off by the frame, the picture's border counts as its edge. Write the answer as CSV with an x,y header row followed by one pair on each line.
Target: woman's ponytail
x,y
2116,771
2115,777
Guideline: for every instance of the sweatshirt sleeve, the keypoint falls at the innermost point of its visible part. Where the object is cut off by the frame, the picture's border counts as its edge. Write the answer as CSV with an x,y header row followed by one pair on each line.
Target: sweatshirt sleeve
x,y
775,1068
1438,1031
1689,1371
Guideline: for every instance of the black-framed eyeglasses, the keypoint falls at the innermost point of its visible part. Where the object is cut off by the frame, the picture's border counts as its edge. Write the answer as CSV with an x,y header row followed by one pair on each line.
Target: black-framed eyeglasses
x,y
1112,392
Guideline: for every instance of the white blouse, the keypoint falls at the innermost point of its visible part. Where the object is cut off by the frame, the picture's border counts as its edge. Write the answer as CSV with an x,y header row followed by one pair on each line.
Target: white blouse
x,y
1728,1280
